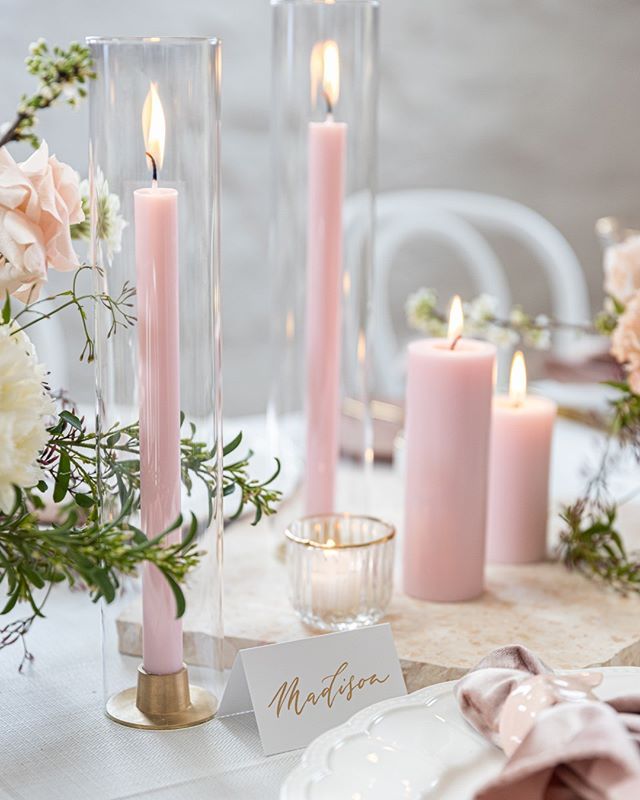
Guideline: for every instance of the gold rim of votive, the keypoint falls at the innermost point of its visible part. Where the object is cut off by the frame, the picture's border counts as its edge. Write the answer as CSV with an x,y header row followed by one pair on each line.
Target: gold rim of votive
x,y
390,534
165,40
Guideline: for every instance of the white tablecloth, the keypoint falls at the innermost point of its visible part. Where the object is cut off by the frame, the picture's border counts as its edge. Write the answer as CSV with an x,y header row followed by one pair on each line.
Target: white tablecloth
x,y
56,743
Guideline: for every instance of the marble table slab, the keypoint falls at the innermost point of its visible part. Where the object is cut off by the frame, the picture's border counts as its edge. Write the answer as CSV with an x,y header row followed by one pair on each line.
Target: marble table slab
x,y
569,621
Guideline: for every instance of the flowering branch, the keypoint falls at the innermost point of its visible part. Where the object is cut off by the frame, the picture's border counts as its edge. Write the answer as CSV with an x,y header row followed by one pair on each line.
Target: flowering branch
x,y
482,320
61,73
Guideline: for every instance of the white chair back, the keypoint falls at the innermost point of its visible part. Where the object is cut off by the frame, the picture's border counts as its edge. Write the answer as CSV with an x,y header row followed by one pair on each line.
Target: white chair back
x,y
462,219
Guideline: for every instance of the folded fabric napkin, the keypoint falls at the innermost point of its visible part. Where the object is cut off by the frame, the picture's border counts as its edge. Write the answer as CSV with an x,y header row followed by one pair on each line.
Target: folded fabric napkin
x,y
562,743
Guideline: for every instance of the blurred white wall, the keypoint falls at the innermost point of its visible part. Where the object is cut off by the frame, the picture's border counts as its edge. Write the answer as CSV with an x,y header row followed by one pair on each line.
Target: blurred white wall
x,y
537,102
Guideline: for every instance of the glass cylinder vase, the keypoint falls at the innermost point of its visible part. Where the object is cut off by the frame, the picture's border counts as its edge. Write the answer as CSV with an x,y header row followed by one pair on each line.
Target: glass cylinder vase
x,y
323,113
154,212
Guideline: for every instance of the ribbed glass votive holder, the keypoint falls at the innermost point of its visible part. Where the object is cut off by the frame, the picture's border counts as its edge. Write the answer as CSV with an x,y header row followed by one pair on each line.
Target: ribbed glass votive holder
x,y
340,570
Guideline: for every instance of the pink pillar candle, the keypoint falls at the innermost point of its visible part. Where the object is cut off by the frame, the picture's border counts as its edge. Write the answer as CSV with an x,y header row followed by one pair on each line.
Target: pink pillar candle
x,y
327,144
156,235
519,480
448,416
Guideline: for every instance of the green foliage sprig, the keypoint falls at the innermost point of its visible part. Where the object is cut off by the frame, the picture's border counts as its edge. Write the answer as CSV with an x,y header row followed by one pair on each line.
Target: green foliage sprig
x,y
62,76
79,547
592,545
590,541
119,309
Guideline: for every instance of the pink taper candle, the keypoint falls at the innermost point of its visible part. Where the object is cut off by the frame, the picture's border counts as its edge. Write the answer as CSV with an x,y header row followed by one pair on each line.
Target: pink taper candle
x,y
521,433
448,415
327,145
156,235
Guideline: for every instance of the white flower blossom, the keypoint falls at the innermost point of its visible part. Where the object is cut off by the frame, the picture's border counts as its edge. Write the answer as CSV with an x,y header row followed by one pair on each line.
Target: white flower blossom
x,y
517,317
420,308
482,309
111,223
501,337
24,407
538,338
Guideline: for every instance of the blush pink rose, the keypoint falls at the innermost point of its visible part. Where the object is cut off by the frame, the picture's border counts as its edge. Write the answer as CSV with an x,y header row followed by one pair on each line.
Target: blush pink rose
x,y
625,342
622,269
39,201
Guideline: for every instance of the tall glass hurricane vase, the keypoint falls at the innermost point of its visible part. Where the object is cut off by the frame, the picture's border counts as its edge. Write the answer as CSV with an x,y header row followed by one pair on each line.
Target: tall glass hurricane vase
x,y
155,108
323,114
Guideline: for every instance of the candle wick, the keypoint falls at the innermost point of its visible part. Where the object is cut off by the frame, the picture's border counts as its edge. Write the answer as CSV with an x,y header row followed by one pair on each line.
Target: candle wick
x,y
154,174
327,100
455,342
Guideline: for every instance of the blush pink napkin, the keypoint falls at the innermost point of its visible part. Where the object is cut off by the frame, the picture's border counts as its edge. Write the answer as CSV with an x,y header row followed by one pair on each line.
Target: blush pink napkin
x,y
582,750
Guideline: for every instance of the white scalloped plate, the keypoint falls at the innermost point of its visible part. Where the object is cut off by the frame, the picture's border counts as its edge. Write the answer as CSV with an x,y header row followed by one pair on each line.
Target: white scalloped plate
x,y
416,747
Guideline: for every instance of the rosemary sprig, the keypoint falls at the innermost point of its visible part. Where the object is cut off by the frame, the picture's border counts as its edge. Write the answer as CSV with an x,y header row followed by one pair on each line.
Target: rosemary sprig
x,y
590,541
33,555
70,460
592,545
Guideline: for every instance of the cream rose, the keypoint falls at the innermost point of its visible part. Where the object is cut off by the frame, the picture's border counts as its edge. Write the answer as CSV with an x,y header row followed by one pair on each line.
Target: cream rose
x,y
622,269
39,200
625,342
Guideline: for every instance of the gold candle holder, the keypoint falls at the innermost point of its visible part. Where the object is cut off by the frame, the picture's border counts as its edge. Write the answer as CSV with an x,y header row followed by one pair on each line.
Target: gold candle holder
x,y
162,703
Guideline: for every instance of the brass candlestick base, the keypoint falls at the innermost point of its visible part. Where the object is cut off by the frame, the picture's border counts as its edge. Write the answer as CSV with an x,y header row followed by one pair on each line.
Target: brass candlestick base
x,y
162,702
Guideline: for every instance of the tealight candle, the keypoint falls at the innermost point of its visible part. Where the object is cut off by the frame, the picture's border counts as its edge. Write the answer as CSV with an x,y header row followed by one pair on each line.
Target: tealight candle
x,y
448,411
520,453
335,584
340,569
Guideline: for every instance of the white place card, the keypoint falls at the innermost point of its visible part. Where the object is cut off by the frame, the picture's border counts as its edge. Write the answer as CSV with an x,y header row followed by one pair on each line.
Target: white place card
x,y
300,689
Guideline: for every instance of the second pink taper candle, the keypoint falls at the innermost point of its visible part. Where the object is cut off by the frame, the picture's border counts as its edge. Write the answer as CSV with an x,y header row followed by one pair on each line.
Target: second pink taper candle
x,y
327,142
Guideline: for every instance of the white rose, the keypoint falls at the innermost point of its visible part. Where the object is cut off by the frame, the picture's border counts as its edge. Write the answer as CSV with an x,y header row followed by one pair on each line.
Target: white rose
x,y
25,406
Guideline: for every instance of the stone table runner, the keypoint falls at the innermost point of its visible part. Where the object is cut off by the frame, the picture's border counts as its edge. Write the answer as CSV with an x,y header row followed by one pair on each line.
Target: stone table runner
x,y
567,620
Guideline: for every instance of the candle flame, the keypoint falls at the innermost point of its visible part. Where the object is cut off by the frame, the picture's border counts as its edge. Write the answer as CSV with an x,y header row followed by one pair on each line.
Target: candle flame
x,y
518,379
330,543
456,320
325,72
153,126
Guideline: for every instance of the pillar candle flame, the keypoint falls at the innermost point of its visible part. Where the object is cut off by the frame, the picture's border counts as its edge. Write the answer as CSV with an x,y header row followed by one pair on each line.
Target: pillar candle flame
x,y
518,380
456,321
